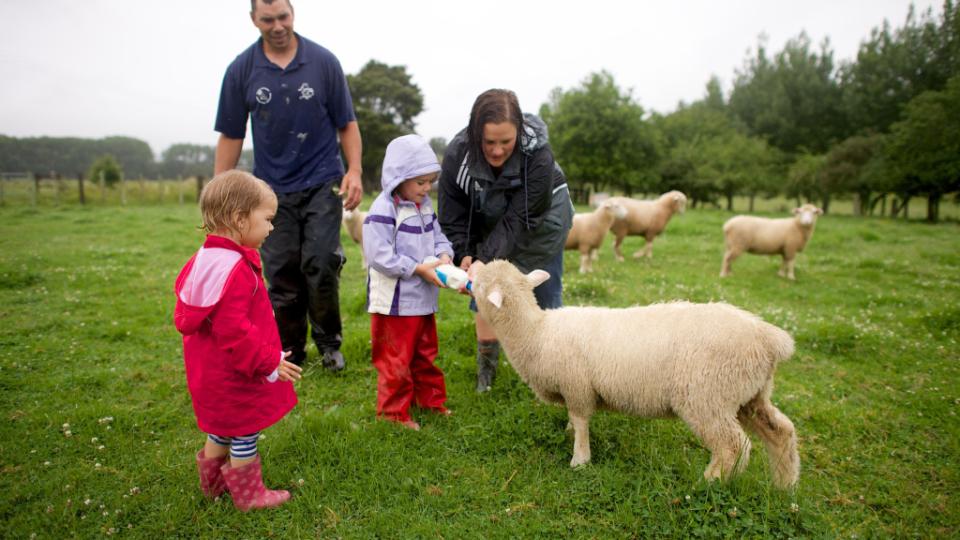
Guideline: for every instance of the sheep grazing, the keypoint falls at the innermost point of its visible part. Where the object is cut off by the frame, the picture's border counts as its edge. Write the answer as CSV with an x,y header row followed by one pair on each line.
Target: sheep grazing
x,y
353,223
588,231
710,364
764,236
646,218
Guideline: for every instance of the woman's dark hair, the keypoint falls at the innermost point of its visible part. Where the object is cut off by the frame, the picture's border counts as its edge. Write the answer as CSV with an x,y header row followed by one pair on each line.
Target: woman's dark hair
x,y
494,106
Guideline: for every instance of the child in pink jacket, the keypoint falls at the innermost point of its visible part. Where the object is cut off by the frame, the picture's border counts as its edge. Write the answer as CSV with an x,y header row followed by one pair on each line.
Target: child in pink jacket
x,y
238,376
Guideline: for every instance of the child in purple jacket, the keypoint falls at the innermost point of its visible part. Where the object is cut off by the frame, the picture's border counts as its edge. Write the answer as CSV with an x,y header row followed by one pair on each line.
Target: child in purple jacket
x,y
400,233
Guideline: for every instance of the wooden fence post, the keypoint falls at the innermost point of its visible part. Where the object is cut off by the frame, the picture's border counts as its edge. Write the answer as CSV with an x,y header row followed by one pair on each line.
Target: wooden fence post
x,y
199,186
180,187
103,188
36,188
59,187
123,191
80,181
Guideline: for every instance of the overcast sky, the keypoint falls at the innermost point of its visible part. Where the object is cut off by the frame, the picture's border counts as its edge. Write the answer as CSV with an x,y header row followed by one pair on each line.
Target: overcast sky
x,y
152,69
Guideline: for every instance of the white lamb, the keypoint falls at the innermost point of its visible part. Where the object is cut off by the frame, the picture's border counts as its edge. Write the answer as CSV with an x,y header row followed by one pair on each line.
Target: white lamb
x,y
589,230
710,364
764,236
353,223
647,218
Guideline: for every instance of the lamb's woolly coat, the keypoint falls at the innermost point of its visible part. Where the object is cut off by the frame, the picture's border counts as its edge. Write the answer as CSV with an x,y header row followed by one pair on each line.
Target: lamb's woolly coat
x,y
589,229
645,218
710,364
765,236
353,223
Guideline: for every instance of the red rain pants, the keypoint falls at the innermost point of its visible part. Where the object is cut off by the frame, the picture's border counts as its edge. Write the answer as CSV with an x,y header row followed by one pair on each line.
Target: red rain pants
x,y
404,350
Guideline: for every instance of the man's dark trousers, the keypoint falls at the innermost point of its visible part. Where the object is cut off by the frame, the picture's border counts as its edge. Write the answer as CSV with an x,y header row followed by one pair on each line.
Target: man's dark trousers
x,y
302,259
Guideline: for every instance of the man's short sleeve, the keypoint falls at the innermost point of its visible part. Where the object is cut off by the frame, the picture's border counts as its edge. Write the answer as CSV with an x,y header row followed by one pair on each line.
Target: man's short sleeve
x,y
341,104
232,110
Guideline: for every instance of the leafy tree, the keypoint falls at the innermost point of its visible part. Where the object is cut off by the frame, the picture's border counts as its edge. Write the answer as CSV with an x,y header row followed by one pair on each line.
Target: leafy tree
x,y
805,180
737,164
439,146
71,156
894,66
924,147
108,167
187,160
793,100
851,167
386,102
599,136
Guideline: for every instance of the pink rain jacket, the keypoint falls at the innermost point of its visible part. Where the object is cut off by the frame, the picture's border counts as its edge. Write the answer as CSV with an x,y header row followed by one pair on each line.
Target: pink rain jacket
x,y
230,341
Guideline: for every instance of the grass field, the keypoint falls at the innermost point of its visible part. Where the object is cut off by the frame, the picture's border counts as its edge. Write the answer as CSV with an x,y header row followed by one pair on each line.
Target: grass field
x,y
98,434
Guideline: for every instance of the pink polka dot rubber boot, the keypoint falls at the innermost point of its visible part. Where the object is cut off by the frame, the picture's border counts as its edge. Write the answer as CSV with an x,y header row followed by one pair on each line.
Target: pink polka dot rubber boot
x,y
245,484
211,478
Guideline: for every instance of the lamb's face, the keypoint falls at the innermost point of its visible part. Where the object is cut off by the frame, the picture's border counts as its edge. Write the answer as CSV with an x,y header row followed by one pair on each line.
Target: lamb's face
x,y
679,202
616,209
499,280
807,214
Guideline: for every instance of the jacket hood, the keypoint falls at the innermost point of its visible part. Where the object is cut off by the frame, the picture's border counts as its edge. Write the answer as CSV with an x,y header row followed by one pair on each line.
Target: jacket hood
x,y
201,283
534,136
407,157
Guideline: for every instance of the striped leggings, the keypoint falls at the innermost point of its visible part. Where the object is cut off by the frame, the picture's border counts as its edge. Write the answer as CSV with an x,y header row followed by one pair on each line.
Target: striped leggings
x,y
240,447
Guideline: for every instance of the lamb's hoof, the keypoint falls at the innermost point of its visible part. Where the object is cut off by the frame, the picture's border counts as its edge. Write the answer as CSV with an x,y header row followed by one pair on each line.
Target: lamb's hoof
x,y
620,259
579,461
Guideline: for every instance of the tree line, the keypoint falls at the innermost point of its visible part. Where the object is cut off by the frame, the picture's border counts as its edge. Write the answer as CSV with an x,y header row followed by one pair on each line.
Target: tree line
x,y
795,124
883,125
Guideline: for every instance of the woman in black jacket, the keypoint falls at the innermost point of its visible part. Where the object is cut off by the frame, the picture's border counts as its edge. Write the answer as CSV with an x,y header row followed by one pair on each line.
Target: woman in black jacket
x,y
502,196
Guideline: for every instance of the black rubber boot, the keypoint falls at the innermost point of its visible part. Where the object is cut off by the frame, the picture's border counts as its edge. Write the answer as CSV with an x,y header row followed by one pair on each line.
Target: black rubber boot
x,y
333,360
488,353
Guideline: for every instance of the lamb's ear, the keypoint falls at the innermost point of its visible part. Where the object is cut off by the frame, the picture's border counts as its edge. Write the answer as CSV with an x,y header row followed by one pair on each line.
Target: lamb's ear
x,y
495,298
537,277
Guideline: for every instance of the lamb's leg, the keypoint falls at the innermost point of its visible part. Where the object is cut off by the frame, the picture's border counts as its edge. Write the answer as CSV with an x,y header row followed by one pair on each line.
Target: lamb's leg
x,y
728,257
595,254
648,248
645,251
787,269
728,444
776,431
581,438
584,262
616,246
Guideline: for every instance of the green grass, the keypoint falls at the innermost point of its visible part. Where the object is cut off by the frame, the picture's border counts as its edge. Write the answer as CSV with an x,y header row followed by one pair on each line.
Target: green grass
x,y
87,346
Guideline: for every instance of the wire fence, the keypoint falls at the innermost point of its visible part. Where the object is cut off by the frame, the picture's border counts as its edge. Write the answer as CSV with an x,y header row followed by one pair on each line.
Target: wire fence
x,y
29,189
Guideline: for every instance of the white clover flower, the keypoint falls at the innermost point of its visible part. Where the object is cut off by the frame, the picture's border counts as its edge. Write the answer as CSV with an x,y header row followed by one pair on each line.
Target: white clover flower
x,y
794,507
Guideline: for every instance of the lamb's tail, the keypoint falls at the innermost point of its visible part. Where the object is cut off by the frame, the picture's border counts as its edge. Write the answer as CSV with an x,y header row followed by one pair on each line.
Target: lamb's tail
x,y
778,343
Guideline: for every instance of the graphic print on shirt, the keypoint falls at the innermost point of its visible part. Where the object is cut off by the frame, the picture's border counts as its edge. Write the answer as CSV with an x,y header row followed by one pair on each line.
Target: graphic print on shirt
x,y
263,95
305,91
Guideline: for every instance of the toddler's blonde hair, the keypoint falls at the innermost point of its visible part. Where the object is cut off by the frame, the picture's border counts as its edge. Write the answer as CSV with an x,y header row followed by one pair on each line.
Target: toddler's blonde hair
x,y
230,195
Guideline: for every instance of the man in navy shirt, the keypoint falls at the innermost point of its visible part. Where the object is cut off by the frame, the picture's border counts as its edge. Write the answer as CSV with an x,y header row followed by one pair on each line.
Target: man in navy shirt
x,y
296,97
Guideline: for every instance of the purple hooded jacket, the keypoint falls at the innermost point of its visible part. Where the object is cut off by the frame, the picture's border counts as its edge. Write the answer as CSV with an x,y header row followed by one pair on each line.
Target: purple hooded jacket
x,y
397,235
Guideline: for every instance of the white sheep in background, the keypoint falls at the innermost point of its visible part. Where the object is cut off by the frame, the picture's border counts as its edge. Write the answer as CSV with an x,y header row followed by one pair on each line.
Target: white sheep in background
x,y
353,223
710,364
764,236
588,231
647,218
